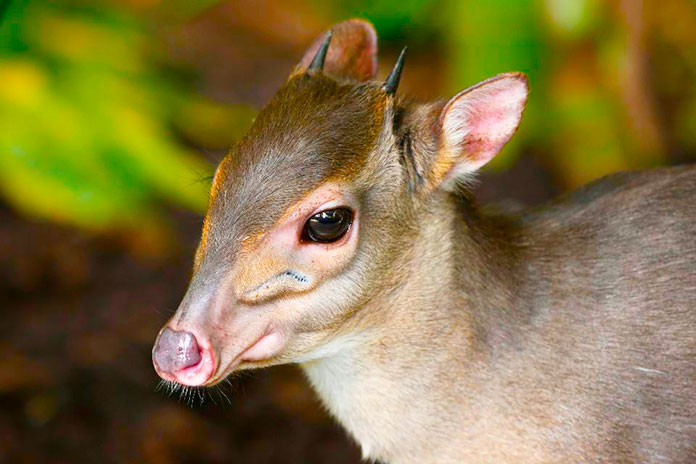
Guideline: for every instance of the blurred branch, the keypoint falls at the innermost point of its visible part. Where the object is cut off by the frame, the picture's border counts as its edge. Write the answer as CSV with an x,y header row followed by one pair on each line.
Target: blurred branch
x,y
636,89
4,6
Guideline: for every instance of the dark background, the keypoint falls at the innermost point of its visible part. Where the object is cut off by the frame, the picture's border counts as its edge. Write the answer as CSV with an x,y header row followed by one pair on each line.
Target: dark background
x,y
114,113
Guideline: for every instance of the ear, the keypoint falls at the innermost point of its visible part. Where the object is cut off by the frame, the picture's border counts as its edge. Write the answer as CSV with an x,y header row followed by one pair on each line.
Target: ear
x,y
476,124
352,52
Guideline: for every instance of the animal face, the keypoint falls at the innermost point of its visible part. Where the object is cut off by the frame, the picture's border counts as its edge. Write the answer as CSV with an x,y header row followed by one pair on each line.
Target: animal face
x,y
309,211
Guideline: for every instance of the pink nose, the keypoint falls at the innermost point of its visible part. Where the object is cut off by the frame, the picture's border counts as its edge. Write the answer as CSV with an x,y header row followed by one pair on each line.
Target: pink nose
x,y
175,351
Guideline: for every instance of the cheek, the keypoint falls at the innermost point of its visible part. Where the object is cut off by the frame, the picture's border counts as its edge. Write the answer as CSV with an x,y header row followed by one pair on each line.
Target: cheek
x,y
258,266
283,251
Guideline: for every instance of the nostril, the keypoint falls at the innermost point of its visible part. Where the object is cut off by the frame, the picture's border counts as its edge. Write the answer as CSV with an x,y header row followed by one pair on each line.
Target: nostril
x,y
175,351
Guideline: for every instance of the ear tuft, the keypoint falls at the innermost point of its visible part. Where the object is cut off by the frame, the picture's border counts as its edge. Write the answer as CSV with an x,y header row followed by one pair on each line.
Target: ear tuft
x,y
476,124
352,53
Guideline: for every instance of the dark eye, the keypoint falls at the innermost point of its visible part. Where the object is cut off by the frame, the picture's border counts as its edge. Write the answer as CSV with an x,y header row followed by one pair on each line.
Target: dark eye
x,y
327,226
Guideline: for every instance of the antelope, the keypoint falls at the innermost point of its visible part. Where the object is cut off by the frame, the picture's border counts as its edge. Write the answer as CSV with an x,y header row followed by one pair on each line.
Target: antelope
x,y
341,235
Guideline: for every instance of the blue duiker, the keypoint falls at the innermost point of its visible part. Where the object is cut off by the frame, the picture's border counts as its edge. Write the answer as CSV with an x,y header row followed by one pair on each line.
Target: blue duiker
x,y
341,236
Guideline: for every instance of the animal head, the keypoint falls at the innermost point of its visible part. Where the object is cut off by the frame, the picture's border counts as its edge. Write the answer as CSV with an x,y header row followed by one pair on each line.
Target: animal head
x,y
309,211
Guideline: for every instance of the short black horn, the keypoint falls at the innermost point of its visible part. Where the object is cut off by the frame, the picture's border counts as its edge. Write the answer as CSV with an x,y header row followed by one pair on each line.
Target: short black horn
x,y
318,61
392,82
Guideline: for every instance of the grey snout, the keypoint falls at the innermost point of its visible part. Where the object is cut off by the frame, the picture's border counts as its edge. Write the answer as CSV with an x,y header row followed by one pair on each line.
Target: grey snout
x,y
175,351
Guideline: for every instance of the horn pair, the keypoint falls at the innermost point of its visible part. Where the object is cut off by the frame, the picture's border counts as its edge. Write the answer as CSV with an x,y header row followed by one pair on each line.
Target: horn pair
x,y
390,84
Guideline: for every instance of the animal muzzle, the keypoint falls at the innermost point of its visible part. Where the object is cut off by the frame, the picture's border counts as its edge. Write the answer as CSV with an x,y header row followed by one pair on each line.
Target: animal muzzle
x,y
178,356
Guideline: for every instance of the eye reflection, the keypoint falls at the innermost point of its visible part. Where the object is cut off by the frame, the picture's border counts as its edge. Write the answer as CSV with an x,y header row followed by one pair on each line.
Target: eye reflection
x,y
327,226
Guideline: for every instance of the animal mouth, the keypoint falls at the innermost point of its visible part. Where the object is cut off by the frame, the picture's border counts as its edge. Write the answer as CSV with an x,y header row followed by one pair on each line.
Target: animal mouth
x,y
268,344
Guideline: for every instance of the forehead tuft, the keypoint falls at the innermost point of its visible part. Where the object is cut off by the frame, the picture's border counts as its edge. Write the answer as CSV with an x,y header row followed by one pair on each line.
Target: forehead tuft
x,y
316,121
315,129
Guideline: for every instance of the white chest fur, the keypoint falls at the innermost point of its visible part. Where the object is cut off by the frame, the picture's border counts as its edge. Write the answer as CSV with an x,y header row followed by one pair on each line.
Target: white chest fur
x,y
373,404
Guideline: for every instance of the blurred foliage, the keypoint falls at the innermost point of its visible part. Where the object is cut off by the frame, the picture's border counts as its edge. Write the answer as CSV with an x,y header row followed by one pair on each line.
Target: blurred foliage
x,y
99,129
84,121
108,109
612,81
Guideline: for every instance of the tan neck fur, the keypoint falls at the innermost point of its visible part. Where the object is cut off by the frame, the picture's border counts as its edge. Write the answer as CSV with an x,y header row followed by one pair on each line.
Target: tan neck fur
x,y
425,351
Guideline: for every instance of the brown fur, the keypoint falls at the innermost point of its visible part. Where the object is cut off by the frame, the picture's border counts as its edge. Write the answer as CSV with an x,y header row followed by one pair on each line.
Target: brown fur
x,y
564,334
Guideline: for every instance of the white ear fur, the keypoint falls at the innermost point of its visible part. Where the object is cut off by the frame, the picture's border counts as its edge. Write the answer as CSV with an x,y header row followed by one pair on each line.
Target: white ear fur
x,y
477,123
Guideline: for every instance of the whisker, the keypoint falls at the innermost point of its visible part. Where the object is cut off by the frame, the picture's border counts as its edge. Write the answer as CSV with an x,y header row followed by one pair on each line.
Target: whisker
x,y
210,395
164,311
204,177
190,395
160,385
182,393
224,396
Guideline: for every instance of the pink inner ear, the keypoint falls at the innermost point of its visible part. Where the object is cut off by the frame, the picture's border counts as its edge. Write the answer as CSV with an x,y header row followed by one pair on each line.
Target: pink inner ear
x,y
352,53
479,121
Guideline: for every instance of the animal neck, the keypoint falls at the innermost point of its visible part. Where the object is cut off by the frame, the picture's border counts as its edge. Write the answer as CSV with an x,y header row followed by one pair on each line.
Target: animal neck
x,y
428,344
